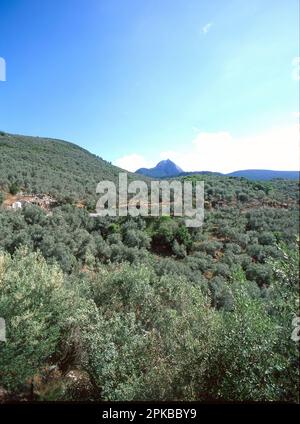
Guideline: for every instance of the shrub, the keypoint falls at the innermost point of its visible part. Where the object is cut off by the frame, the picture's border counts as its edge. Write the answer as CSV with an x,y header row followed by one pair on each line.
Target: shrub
x,y
14,188
262,274
267,238
248,349
211,247
137,238
221,293
37,309
283,305
179,250
242,197
154,338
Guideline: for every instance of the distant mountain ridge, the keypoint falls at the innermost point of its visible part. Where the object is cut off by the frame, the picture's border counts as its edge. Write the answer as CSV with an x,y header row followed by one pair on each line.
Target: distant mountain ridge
x,y
265,174
167,168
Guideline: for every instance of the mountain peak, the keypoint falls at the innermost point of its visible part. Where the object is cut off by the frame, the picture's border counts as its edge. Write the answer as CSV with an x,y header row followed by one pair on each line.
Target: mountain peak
x,y
165,161
164,168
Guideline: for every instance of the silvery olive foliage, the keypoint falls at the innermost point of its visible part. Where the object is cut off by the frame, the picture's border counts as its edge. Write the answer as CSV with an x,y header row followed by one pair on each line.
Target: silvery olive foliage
x,y
144,308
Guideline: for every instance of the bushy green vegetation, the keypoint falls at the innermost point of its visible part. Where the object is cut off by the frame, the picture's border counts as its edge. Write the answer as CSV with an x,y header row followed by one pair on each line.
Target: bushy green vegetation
x,y
145,308
139,335
35,306
167,327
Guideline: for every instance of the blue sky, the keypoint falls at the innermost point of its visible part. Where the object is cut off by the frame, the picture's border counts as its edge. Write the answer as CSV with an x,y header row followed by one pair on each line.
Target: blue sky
x,y
212,84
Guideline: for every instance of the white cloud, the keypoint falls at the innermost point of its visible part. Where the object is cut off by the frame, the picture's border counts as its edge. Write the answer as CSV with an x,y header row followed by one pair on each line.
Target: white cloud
x,y
296,115
132,162
206,28
277,148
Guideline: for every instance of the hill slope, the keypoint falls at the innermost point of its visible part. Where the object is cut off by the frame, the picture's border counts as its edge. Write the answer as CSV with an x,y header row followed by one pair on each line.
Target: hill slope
x,y
56,167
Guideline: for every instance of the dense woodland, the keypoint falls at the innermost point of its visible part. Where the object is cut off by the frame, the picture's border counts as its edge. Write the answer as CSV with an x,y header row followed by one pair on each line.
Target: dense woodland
x,y
145,308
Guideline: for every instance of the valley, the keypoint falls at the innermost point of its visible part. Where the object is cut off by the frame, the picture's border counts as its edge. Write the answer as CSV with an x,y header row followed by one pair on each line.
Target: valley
x,y
118,301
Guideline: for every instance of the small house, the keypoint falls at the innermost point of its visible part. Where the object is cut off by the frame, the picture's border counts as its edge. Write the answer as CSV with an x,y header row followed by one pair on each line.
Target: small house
x,y
17,205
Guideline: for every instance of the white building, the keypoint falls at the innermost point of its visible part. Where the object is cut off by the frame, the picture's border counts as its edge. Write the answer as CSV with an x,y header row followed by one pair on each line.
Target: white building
x,y
17,205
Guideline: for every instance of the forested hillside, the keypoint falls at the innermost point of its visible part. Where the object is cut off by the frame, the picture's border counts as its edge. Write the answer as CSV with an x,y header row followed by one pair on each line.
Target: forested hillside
x,y
41,165
145,308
